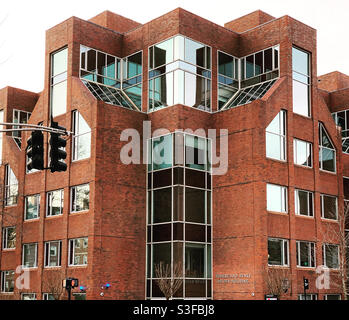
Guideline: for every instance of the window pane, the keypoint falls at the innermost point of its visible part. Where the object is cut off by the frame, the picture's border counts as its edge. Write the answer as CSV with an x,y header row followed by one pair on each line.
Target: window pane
x,y
300,61
194,52
161,254
327,160
29,255
80,197
301,98
162,152
329,207
59,98
194,260
162,205
60,62
275,252
32,207
163,53
194,205
276,200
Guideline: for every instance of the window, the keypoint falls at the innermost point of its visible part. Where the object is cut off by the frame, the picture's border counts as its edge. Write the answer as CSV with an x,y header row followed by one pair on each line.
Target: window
x,y
48,296
9,238
19,116
28,296
55,203
304,204
327,155
278,252
195,260
309,296
79,296
111,79
53,250
332,297
78,250
59,67
305,254
7,281
195,152
82,137
276,198
162,152
330,254
329,208
80,198
341,119
11,187
301,81
302,153
32,207
1,128
276,137
180,73
29,255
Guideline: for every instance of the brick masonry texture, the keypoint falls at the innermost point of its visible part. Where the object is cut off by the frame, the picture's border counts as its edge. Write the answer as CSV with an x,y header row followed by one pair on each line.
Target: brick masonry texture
x,y
116,220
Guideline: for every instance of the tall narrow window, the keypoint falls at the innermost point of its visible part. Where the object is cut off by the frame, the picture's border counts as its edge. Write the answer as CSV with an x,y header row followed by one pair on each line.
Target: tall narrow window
x,y
32,207
19,116
276,198
329,209
53,251
59,67
11,187
276,137
301,81
7,281
29,255
9,238
305,254
278,252
304,203
78,251
330,254
302,153
82,137
327,153
80,198
55,203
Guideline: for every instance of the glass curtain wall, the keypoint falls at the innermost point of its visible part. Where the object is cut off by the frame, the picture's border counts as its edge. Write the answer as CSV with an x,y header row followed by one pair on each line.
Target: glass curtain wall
x,y
111,79
179,215
179,73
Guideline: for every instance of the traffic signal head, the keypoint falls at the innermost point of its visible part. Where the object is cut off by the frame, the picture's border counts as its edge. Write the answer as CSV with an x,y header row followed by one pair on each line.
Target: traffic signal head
x,y
35,151
57,154
306,284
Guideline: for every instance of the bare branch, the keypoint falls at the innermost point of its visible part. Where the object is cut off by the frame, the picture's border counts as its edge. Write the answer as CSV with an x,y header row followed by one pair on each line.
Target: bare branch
x,y
167,284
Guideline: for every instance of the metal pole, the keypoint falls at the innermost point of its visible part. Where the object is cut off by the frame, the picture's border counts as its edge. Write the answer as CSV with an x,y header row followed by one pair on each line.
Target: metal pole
x,y
69,293
305,291
34,126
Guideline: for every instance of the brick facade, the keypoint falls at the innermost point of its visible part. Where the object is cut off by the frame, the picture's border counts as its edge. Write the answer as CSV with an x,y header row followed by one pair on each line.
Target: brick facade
x,y
116,220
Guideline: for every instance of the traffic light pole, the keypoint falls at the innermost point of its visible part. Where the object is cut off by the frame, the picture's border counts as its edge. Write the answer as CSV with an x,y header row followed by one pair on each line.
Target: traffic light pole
x,y
33,127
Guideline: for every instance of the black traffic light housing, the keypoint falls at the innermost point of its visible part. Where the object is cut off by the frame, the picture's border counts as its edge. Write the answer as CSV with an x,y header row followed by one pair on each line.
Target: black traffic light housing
x,y
57,155
306,284
35,151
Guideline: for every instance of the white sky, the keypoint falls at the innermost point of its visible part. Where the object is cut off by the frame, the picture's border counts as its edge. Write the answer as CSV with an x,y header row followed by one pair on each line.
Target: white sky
x,y
22,33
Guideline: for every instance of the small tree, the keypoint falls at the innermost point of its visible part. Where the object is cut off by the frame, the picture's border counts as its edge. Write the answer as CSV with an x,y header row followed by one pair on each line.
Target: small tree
x,y
277,280
339,234
52,283
167,284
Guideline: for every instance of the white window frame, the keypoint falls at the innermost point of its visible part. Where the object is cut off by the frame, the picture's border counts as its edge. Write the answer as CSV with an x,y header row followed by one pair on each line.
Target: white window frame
x,y
3,281
284,197
27,294
4,238
47,248
295,141
8,186
46,294
71,252
333,294
283,264
322,207
297,205
36,255
312,295
18,112
321,126
282,136
75,138
310,244
72,205
38,209
49,201
324,246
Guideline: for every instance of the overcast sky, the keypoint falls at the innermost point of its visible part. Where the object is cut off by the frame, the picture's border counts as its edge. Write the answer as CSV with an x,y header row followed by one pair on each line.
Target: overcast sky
x,y
22,32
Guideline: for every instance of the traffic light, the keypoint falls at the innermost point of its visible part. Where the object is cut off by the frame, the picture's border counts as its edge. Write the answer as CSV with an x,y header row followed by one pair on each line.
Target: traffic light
x,y
35,151
306,284
57,154
70,283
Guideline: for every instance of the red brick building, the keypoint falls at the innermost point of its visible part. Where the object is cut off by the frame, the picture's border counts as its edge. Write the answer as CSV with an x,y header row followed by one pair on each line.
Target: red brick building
x,y
104,221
